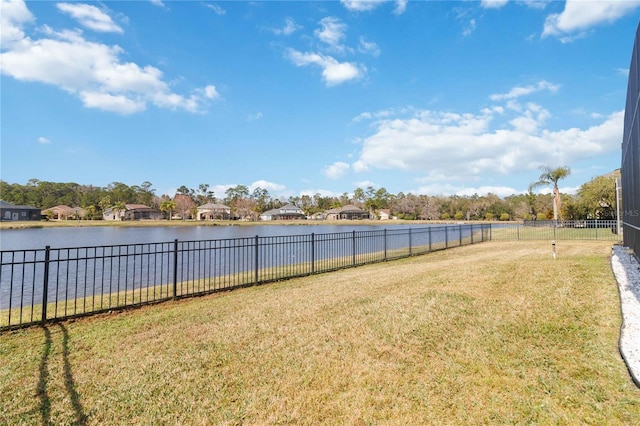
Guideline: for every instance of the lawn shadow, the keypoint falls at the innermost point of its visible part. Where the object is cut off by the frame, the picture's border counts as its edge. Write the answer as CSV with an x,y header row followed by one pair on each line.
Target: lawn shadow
x,y
41,389
69,383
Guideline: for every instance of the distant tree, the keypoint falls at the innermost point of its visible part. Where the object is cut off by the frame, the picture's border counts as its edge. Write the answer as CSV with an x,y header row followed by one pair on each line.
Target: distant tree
x,y
235,193
598,197
359,197
551,176
118,191
168,206
105,203
118,207
145,194
91,212
184,204
204,195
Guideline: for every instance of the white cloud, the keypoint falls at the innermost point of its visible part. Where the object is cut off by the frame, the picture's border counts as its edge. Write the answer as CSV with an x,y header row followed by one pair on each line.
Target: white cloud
x,y
289,27
520,91
157,3
113,103
210,92
89,70
471,27
333,72
336,170
579,16
332,33
90,17
367,5
369,47
401,7
466,146
13,17
442,188
364,184
269,186
255,117
216,9
361,5
43,140
493,4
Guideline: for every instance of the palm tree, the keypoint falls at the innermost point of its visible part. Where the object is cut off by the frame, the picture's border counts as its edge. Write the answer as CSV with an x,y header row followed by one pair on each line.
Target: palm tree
x,y
118,208
551,176
168,205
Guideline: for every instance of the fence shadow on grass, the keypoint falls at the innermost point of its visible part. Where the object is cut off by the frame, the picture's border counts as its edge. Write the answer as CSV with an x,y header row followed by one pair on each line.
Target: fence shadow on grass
x,y
80,417
43,379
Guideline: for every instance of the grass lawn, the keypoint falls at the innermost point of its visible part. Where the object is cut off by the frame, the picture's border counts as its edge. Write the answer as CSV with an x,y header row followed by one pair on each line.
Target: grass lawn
x,y
493,333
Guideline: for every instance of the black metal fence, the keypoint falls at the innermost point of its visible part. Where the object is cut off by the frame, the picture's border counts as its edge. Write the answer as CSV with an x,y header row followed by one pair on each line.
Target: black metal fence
x,y
606,230
630,165
49,284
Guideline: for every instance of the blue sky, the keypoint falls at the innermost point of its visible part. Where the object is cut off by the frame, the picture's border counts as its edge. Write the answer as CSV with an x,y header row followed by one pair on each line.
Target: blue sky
x,y
423,97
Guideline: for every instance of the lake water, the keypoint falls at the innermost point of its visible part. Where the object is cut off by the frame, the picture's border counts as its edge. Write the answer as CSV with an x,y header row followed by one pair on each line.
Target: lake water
x,y
39,238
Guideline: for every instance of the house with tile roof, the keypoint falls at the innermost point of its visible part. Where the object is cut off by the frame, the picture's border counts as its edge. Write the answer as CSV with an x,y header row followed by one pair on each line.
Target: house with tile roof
x,y
63,212
214,211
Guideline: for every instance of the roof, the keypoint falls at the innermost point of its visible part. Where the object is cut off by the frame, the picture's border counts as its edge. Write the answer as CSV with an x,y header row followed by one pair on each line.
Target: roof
x,y
5,205
138,207
62,207
213,206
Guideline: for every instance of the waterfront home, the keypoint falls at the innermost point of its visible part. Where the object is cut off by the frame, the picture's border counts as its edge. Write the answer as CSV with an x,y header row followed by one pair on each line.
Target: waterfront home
x,y
132,212
213,211
10,211
384,214
288,212
62,212
349,212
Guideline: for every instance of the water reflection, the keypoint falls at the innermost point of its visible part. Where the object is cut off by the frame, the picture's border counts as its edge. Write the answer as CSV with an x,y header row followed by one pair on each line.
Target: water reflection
x,y
38,238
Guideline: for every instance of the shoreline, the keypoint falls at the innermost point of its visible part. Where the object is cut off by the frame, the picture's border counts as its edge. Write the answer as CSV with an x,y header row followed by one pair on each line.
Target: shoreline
x,y
168,223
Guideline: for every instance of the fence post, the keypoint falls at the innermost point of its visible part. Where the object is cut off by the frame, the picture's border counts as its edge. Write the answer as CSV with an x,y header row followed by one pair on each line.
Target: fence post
x,y
410,248
45,283
596,229
313,253
353,238
446,237
472,226
460,230
429,228
175,269
256,263
385,244
518,229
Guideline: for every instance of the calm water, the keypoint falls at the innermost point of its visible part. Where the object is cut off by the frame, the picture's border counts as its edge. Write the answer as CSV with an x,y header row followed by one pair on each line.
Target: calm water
x,y
39,238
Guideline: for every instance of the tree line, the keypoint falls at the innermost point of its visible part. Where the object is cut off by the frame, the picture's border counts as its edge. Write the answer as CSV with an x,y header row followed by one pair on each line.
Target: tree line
x,y
595,199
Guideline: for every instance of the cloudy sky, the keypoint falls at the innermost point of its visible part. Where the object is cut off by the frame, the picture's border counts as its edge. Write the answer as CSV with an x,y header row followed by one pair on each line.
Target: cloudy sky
x,y
427,97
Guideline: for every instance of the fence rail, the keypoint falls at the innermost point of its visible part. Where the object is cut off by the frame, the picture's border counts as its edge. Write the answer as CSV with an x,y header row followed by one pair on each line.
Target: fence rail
x,y
606,230
37,286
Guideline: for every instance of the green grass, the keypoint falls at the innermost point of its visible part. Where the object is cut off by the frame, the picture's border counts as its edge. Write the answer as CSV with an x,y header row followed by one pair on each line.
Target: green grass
x,y
493,333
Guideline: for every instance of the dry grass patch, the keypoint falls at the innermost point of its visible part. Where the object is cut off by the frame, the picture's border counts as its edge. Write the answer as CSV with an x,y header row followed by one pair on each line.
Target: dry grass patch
x,y
489,333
